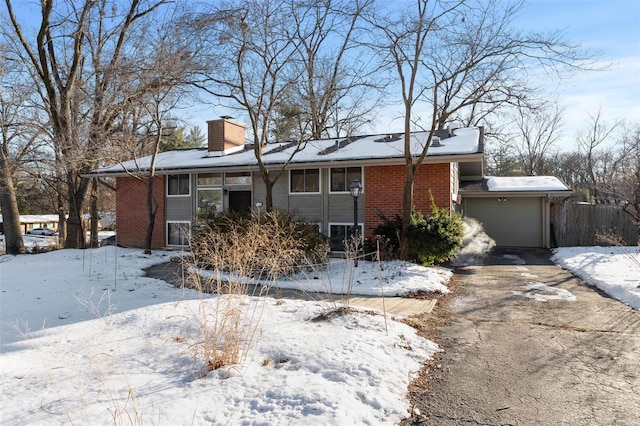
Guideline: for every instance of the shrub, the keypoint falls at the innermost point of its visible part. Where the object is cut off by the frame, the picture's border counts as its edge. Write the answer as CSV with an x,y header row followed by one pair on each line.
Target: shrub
x,y
436,237
270,245
432,239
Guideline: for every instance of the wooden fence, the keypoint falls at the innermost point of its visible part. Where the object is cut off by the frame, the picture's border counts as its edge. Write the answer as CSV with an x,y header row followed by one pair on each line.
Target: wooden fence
x,y
578,224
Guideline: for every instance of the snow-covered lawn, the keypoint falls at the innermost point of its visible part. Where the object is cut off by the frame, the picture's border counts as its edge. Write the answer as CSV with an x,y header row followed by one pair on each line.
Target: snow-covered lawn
x,y
87,339
614,270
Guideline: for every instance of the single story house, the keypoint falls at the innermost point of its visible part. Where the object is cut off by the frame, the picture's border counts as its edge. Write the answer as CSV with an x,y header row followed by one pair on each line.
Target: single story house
x,y
225,175
32,221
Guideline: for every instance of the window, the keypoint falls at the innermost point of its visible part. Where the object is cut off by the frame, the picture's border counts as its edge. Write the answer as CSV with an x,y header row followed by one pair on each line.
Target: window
x,y
178,185
307,180
209,202
339,234
209,179
178,233
341,177
237,178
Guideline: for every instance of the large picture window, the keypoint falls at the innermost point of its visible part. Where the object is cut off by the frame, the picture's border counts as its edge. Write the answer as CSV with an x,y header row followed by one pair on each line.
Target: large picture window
x,y
178,185
307,180
341,177
178,233
209,202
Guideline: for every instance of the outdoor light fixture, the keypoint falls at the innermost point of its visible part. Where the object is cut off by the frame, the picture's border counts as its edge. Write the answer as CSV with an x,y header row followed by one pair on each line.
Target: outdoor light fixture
x,y
355,188
501,199
258,205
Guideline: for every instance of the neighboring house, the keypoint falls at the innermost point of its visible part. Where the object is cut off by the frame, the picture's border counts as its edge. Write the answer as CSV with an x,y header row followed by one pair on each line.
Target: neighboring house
x,y
225,175
32,221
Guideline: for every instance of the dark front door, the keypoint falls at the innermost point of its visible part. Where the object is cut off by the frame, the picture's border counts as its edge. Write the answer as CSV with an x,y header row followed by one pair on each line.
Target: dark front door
x,y
240,201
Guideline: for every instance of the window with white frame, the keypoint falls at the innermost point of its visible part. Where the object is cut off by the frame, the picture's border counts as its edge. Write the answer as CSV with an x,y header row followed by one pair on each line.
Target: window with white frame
x,y
178,233
306,180
178,185
341,177
340,233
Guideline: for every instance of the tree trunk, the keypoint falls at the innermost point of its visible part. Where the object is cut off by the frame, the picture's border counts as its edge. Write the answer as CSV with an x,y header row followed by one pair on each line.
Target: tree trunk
x,y
93,211
76,237
407,207
152,210
10,214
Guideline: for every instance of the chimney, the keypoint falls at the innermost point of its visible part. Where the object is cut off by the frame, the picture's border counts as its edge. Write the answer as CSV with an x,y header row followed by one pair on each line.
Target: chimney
x,y
224,136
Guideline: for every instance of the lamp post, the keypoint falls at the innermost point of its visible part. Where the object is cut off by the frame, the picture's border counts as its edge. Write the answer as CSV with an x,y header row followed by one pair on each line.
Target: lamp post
x,y
355,188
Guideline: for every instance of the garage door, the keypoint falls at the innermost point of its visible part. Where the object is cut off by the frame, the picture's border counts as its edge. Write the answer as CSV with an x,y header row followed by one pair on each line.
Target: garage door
x,y
514,222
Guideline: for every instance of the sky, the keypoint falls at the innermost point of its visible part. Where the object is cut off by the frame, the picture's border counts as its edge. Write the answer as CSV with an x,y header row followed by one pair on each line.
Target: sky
x,y
610,28
88,339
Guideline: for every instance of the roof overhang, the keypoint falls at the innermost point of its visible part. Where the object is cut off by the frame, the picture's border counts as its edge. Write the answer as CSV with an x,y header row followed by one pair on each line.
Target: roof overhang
x,y
435,159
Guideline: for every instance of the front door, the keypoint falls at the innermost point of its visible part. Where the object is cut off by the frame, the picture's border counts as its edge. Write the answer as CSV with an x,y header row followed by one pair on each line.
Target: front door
x,y
240,201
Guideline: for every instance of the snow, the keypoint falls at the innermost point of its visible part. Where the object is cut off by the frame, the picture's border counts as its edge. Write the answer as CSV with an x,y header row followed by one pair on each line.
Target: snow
x,y
614,270
88,339
464,141
118,347
525,183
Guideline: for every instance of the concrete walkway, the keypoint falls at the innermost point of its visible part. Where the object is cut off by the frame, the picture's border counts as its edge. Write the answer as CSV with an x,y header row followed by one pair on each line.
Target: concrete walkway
x,y
173,273
510,358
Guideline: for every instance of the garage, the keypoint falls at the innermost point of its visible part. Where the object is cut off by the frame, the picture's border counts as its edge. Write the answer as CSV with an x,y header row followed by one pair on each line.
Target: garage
x,y
513,210
511,222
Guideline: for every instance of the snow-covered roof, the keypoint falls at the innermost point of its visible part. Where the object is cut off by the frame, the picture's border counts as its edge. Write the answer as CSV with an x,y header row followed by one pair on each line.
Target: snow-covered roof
x,y
525,183
515,184
39,218
373,147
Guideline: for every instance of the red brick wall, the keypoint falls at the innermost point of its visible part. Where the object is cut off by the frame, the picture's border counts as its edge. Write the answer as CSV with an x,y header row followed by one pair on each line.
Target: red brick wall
x,y
384,186
131,212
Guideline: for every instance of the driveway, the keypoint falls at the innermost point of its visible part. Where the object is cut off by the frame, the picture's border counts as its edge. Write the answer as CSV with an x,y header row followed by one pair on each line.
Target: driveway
x,y
510,359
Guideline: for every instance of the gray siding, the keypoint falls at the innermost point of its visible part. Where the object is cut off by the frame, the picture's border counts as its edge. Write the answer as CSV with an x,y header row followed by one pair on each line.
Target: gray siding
x,y
341,208
308,206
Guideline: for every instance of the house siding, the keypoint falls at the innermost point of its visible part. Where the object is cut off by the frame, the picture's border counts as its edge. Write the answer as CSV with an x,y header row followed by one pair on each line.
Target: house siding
x,y
384,186
131,211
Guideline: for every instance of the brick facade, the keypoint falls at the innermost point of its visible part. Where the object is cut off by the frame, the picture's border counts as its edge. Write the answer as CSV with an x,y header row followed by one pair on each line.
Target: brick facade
x,y
384,186
131,212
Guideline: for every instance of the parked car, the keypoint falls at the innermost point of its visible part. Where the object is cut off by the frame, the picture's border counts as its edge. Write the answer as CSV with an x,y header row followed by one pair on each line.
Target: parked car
x,y
109,241
41,231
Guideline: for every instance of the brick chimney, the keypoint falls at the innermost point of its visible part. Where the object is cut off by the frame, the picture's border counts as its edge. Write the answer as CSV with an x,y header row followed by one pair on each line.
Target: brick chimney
x,y
224,136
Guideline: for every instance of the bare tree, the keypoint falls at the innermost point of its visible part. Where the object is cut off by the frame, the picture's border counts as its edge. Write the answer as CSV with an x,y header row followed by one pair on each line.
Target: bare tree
x,y
538,131
76,61
282,64
454,56
13,147
589,141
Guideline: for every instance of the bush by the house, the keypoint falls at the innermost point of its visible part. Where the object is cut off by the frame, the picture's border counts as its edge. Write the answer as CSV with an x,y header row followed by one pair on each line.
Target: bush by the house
x,y
269,245
432,239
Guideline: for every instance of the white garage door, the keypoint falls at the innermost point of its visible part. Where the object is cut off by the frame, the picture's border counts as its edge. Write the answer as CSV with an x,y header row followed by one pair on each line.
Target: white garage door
x,y
515,222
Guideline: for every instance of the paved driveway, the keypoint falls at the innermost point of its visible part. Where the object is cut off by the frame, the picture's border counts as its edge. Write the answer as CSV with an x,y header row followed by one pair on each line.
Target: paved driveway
x,y
510,359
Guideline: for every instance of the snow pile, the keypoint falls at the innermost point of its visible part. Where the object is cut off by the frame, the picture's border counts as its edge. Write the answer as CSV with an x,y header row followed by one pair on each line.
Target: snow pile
x,y
614,270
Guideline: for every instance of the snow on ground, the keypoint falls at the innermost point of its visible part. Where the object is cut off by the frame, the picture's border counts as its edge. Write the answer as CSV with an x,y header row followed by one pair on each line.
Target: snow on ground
x,y
614,270
139,360
121,348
